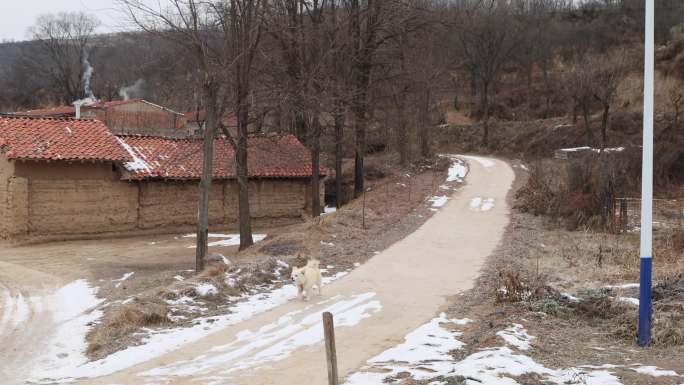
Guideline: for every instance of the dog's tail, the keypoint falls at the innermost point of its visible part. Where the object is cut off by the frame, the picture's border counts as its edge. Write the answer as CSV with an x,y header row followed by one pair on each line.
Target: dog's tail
x,y
314,263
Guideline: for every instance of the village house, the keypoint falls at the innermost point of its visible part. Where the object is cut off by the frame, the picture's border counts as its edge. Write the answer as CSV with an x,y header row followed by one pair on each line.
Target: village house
x,y
123,117
72,178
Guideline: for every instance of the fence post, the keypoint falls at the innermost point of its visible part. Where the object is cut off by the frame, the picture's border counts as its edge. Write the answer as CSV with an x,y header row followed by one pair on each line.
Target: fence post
x,y
330,351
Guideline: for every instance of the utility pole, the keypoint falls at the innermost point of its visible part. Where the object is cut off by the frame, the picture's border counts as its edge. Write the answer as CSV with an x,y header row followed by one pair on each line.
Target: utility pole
x,y
645,305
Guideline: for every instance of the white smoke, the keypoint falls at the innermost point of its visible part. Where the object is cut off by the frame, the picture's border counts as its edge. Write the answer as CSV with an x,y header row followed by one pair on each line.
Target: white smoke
x,y
132,91
87,76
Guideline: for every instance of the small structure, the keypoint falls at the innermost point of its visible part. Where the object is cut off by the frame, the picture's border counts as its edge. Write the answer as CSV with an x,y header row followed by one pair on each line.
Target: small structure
x,y
136,117
122,117
72,178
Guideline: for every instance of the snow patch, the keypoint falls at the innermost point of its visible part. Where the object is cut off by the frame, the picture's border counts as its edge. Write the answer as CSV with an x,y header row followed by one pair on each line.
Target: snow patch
x,y
122,279
72,310
205,289
655,372
138,164
276,341
438,201
231,239
517,336
160,342
481,204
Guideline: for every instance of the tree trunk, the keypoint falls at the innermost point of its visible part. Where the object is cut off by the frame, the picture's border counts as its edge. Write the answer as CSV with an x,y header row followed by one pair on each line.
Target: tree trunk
x,y
587,125
315,167
402,134
604,126
485,105
425,126
339,142
242,171
205,182
360,123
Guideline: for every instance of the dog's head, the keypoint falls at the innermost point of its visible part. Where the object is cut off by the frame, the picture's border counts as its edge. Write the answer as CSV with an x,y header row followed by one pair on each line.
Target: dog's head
x,y
297,274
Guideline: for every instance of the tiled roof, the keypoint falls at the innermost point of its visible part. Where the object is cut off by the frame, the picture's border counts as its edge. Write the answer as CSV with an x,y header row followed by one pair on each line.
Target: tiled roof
x,y
58,139
59,111
268,157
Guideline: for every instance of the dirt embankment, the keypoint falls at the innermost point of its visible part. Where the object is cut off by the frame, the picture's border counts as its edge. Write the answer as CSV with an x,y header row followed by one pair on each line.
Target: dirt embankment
x,y
575,291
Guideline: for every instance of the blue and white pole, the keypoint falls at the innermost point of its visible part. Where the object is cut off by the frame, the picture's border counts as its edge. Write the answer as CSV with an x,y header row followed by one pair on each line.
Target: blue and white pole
x,y
645,305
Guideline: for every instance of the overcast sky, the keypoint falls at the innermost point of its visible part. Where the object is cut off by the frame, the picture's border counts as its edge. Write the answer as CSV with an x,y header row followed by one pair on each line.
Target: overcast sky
x,y
16,16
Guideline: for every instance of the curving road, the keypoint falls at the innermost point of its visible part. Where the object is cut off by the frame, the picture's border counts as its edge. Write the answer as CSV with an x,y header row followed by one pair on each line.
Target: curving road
x,y
375,306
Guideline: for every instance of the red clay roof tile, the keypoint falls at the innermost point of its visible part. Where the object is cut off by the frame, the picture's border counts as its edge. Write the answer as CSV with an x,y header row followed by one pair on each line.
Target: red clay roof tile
x,y
59,139
268,157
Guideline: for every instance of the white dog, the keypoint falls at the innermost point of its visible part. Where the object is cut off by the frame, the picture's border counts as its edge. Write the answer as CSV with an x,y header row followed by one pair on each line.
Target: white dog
x,y
306,278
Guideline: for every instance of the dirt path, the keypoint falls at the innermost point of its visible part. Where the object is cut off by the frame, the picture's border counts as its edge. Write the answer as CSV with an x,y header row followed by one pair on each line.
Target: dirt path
x,y
374,307
23,321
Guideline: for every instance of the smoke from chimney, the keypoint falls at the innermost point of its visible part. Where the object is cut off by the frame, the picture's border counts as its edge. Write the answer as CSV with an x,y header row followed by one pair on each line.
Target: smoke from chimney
x,y
132,91
87,77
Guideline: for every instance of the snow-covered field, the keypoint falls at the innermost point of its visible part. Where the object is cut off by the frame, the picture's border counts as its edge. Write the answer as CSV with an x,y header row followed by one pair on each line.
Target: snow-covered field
x,y
157,343
70,310
425,355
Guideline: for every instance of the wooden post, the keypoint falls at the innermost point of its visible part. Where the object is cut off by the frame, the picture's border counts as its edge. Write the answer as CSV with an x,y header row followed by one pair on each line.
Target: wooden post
x,y
331,354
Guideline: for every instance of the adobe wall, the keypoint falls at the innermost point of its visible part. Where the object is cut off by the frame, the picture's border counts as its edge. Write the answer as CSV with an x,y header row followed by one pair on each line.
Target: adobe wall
x,y
75,198
59,200
6,171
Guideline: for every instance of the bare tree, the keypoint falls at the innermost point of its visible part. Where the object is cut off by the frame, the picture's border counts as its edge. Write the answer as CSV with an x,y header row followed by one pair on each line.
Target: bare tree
x,y
579,85
222,39
608,71
489,36
64,37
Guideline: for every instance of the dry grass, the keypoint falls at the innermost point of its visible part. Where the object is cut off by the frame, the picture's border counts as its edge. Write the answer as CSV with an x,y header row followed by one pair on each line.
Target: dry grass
x,y
116,330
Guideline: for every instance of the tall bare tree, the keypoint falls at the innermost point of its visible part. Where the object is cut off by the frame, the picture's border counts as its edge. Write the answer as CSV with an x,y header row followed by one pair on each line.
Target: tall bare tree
x,y
222,39
489,36
64,38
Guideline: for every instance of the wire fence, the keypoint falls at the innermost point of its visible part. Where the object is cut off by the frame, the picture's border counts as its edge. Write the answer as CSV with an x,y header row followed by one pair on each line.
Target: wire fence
x,y
667,214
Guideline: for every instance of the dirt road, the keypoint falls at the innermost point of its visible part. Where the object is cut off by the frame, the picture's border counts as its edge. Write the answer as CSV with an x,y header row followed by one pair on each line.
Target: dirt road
x,y
374,307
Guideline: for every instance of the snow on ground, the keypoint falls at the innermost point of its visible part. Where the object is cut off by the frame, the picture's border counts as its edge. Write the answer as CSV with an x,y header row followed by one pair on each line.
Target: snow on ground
x,y
517,336
623,286
328,210
481,204
230,239
160,342
72,309
629,300
15,310
205,289
125,277
425,356
655,372
277,341
485,162
438,201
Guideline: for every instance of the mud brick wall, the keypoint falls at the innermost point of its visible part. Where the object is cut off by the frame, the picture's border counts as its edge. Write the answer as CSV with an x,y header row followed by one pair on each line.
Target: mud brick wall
x,y
73,198
175,204
6,171
73,206
67,199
